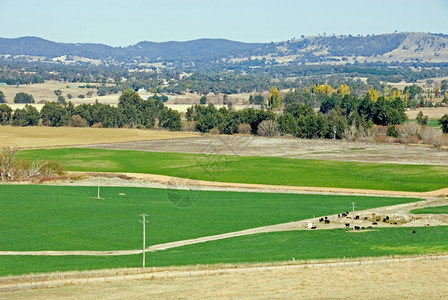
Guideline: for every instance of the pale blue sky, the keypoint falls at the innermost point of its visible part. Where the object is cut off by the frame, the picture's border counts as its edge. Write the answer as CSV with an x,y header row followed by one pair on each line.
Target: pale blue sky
x,y
123,23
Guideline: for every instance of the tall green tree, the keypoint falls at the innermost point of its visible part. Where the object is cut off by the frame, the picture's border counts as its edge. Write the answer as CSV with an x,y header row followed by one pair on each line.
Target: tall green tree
x,y
274,99
27,116
5,114
23,98
443,121
54,114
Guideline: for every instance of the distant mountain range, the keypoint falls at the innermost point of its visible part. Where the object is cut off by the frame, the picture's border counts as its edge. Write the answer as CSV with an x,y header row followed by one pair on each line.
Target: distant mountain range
x,y
386,48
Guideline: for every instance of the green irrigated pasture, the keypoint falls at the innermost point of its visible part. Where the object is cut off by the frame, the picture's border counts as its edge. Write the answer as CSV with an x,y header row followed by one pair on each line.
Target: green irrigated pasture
x,y
247,169
36,217
432,210
308,245
269,247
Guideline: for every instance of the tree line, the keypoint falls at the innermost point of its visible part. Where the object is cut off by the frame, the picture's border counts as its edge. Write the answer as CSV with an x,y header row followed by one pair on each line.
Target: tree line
x,y
291,115
131,112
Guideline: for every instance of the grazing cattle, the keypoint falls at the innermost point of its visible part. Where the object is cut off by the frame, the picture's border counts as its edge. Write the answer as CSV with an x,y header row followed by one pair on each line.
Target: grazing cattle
x,y
347,225
356,227
327,221
362,227
365,218
378,219
356,217
395,223
369,227
339,215
387,218
384,220
321,219
346,212
326,218
413,231
374,223
343,214
313,227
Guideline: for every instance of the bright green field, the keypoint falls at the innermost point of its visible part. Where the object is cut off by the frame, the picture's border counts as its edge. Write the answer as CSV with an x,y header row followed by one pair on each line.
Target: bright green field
x,y
67,218
432,210
261,170
35,217
269,247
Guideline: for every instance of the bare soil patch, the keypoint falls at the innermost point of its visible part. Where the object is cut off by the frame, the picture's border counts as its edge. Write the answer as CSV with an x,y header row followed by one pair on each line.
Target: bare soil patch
x,y
33,137
293,148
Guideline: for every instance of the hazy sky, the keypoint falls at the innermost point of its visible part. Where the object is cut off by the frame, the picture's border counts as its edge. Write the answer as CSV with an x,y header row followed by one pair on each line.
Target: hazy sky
x,y
126,22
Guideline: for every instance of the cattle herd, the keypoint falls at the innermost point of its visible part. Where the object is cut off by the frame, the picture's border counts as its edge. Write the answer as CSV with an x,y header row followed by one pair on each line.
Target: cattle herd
x,y
345,217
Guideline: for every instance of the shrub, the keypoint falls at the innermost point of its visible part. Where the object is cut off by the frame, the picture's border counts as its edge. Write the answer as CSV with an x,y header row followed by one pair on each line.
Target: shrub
x,y
77,121
188,126
392,131
409,129
268,128
214,131
97,125
432,136
244,128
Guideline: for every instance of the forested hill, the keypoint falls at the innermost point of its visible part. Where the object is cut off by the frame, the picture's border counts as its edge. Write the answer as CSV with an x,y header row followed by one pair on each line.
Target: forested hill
x,y
143,51
386,48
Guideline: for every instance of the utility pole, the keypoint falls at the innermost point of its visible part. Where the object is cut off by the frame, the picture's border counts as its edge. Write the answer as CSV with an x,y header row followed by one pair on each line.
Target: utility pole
x,y
98,188
353,207
144,235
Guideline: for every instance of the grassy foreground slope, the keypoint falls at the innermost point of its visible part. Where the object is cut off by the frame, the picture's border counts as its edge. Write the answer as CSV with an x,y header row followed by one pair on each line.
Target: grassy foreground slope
x,y
269,247
67,218
261,170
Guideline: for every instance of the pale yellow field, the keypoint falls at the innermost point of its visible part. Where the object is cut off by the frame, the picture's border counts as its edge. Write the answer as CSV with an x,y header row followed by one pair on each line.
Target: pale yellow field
x,y
29,137
44,91
432,113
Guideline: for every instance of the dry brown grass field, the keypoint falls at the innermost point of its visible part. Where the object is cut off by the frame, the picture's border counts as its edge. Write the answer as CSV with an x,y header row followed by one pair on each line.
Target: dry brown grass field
x,y
43,91
432,113
41,136
422,278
